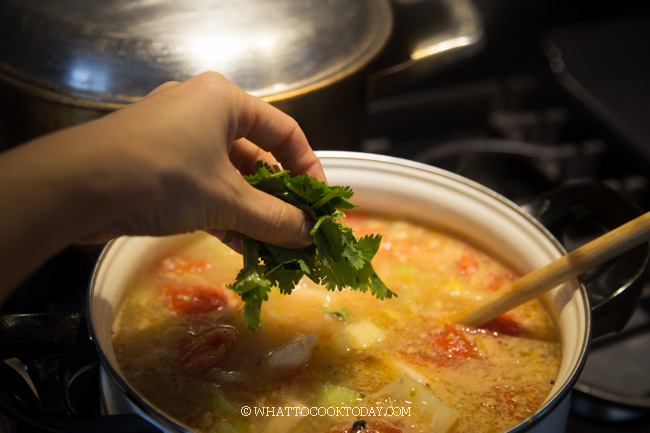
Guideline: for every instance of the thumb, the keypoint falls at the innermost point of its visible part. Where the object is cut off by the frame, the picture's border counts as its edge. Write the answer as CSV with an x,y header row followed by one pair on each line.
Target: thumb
x,y
271,220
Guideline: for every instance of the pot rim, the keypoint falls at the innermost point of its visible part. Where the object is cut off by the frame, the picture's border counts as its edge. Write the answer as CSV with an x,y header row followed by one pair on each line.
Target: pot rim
x,y
150,412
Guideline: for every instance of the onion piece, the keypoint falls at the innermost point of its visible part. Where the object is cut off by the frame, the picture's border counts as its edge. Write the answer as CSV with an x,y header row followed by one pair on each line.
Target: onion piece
x,y
406,390
293,354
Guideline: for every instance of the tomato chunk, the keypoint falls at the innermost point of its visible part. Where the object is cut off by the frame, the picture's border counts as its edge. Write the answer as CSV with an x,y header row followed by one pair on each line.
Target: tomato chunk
x,y
448,347
504,325
208,348
453,343
194,298
497,281
517,403
467,265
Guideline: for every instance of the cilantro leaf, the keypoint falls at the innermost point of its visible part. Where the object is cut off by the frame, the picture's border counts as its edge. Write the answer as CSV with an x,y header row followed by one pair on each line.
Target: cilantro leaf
x,y
337,259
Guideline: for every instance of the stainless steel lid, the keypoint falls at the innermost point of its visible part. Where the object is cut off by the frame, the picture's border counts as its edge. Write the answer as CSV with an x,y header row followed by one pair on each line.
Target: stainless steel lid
x,y
116,51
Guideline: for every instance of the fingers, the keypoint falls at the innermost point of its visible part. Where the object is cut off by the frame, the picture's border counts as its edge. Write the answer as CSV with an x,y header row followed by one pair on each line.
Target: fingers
x,y
276,132
269,219
204,129
257,122
262,216
243,155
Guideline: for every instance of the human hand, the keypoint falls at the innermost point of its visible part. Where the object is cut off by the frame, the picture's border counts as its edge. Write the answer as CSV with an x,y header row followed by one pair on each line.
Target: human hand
x,y
169,163
179,154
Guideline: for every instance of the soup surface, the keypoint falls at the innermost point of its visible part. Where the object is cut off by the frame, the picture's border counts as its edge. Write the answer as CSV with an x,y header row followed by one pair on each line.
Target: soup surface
x,y
333,362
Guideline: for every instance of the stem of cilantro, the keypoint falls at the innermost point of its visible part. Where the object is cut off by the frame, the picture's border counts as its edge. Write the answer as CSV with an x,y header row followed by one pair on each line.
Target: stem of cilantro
x,y
290,187
278,266
328,197
277,174
318,223
253,180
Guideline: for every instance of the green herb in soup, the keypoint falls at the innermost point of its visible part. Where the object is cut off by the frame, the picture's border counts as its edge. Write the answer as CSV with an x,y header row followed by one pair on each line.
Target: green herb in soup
x,y
337,259
342,361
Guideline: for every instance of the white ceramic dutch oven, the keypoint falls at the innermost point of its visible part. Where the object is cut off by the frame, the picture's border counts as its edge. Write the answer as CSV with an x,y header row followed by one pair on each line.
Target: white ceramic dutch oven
x,y
399,187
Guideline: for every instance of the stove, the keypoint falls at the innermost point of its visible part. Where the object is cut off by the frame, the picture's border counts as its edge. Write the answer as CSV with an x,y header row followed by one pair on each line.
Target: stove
x,y
558,96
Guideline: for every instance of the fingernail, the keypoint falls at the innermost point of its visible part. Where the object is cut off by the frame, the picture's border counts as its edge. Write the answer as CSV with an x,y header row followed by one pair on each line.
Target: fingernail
x,y
305,239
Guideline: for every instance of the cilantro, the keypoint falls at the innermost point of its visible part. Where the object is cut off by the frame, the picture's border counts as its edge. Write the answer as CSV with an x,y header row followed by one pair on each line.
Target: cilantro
x,y
336,259
343,313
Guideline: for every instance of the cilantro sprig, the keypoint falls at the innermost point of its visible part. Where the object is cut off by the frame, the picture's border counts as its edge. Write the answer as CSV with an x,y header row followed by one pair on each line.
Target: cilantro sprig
x,y
336,259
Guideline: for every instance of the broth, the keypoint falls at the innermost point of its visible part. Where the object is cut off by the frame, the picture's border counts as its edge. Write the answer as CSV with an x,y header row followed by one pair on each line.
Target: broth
x,y
323,360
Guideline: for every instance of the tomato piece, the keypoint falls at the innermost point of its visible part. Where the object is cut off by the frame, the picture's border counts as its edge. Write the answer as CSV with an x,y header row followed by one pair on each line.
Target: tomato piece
x,y
497,281
467,265
362,426
448,347
208,348
453,343
504,325
516,403
194,298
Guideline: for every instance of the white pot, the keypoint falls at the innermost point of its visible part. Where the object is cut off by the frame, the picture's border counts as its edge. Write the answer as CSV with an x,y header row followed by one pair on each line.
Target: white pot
x,y
390,185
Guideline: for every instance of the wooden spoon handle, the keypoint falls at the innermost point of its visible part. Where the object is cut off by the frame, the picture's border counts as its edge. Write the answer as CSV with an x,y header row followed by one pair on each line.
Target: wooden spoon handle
x,y
577,262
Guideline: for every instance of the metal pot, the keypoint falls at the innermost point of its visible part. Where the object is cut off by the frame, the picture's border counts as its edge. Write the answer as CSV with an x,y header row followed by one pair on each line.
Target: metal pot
x,y
63,63
406,189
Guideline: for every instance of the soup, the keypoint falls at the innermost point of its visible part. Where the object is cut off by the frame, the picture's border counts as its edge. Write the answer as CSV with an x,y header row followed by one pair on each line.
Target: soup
x,y
335,362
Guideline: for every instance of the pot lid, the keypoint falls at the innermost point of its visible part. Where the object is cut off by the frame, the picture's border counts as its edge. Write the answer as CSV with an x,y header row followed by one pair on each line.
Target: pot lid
x,y
117,51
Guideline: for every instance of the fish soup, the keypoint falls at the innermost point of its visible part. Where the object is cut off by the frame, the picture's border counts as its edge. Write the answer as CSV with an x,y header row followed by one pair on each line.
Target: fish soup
x,y
342,361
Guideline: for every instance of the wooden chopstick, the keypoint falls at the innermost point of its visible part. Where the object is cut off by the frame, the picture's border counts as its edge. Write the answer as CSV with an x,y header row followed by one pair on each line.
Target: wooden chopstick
x,y
577,262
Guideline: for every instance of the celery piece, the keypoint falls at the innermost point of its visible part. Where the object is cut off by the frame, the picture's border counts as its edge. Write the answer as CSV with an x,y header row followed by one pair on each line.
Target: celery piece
x,y
339,344
337,396
221,404
364,334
